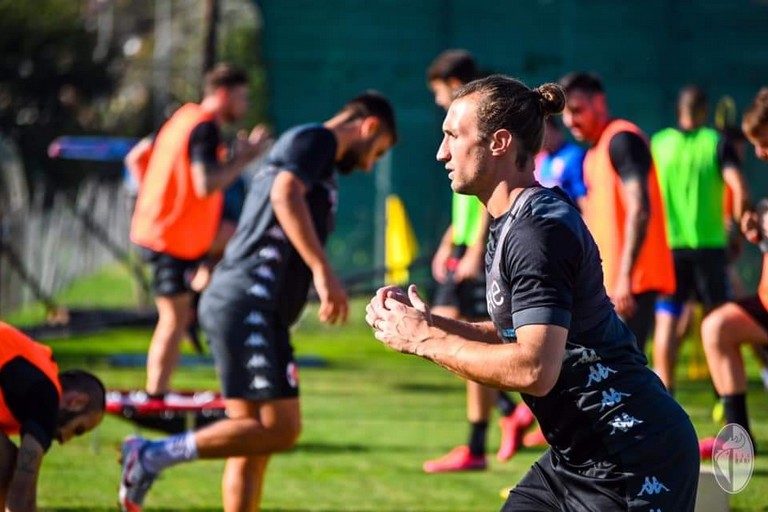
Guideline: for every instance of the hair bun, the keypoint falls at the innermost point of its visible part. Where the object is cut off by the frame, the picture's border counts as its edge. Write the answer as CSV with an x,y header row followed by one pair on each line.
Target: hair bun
x,y
551,97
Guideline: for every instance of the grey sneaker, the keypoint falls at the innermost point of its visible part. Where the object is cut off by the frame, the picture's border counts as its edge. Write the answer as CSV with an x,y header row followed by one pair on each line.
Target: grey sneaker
x,y
135,481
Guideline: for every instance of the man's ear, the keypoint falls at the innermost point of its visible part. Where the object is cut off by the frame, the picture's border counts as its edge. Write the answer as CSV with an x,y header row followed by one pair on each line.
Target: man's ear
x,y
454,84
74,400
501,142
369,127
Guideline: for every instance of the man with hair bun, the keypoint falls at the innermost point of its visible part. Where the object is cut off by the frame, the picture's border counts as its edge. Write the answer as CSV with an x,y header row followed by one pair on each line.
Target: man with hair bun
x,y
457,267
618,441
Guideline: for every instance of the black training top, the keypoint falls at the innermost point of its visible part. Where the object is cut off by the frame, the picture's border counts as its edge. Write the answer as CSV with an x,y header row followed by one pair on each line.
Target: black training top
x,y
204,143
259,262
543,267
31,398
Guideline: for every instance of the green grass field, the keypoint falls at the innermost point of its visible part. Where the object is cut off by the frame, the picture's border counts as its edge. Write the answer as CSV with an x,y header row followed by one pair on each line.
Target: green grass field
x,y
371,417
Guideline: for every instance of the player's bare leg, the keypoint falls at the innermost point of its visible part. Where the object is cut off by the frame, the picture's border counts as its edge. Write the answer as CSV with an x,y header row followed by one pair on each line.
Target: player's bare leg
x,y
164,349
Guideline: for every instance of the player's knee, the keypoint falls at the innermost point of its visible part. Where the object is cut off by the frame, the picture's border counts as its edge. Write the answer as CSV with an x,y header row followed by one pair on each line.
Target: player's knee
x,y
288,435
714,331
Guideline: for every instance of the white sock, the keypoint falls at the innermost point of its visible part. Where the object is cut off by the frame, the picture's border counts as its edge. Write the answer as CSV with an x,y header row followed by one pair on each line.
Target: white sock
x,y
764,376
170,451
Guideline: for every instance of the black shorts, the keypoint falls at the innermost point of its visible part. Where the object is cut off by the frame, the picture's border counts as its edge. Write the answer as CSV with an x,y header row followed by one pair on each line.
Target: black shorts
x,y
467,296
170,275
754,308
251,349
659,473
701,274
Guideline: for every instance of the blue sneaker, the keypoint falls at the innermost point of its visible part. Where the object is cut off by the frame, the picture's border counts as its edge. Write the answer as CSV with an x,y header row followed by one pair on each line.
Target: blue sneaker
x,y
135,481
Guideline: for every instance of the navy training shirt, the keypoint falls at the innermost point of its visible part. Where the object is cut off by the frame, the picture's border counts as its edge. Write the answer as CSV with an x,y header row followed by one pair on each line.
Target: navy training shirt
x,y
543,267
259,263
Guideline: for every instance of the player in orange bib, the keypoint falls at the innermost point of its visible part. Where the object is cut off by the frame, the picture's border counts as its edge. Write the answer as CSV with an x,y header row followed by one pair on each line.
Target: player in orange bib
x,y
623,207
179,205
40,405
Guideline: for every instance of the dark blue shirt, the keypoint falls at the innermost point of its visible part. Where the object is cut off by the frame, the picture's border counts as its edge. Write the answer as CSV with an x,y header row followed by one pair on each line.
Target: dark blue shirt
x,y
543,267
260,264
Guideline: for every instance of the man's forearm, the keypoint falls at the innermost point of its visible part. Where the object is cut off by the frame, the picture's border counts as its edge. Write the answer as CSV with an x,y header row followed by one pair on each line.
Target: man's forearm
x,y
635,228
220,176
22,491
475,331
636,208
734,180
293,215
513,366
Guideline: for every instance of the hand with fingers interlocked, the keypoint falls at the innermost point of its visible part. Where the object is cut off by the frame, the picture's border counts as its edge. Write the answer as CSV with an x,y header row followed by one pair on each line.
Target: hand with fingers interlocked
x,y
401,321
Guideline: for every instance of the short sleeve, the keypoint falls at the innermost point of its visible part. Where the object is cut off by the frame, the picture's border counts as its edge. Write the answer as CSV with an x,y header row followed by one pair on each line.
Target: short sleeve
x,y
630,156
542,259
309,154
204,143
32,399
727,154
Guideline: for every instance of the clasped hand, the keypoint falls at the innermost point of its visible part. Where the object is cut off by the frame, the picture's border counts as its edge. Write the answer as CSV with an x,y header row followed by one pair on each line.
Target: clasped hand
x,y
400,320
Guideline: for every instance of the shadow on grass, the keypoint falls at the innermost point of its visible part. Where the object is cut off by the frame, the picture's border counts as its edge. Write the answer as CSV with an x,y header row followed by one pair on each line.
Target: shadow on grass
x,y
424,387
331,448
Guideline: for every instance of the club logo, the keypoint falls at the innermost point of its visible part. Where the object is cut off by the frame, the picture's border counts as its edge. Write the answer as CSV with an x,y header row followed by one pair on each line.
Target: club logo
x,y
292,373
733,458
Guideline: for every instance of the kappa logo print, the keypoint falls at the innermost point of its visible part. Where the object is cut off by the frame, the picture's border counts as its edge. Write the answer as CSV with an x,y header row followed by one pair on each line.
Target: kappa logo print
x,y
260,382
611,398
269,253
599,373
494,296
258,290
257,361
588,356
623,422
652,486
276,232
255,319
265,272
256,340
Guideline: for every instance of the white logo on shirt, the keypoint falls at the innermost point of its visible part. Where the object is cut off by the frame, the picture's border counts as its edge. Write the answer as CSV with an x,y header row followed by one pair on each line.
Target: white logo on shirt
x,y
495,297
599,373
256,319
588,356
256,340
623,422
611,398
269,253
260,382
257,361
258,290
276,232
265,272
652,486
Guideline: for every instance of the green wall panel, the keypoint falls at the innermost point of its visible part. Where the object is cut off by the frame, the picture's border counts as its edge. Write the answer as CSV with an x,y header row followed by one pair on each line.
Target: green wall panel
x,y
320,53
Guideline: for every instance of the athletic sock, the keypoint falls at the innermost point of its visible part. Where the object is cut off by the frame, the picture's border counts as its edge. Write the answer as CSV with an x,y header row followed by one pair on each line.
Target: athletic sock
x,y
505,403
736,411
477,434
158,455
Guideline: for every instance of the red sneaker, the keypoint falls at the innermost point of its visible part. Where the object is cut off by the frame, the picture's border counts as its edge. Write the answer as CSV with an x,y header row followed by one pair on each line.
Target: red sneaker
x,y
535,438
706,447
512,429
458,459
